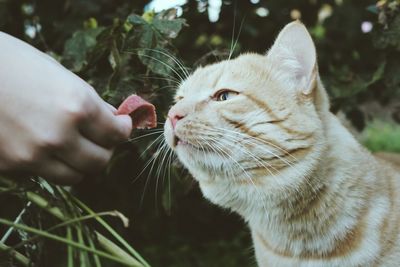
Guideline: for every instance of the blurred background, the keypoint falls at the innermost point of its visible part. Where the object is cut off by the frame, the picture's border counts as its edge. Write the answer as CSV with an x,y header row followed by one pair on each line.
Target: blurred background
x,y
124,46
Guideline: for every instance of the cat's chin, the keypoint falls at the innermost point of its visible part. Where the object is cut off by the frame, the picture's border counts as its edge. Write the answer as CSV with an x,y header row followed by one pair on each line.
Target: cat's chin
x,y
195,158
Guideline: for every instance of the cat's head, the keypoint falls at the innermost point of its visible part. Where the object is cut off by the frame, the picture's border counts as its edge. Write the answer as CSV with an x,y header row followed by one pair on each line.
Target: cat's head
x,y
255,116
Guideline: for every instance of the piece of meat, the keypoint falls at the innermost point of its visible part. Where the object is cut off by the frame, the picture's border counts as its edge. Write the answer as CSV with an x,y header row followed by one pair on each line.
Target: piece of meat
x,y
142,112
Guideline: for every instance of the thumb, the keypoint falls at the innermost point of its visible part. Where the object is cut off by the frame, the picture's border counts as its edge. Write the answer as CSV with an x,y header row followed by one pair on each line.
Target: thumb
x,y
125,122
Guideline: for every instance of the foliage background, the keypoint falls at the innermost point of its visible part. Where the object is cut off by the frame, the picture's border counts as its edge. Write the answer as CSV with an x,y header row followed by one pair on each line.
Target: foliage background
x,y
116,49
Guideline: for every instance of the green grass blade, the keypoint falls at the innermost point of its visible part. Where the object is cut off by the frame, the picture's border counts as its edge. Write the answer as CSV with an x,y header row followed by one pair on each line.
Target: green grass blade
x,y
83,256
70,249
67,224
95,257
108,245
15,254
112,232
70,242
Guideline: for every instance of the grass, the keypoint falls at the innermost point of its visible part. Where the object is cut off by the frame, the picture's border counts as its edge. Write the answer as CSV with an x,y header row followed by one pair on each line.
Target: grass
x,y
84,245
382,136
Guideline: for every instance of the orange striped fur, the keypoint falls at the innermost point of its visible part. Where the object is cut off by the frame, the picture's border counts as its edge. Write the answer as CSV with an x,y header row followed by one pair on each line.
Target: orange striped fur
x,y
272,152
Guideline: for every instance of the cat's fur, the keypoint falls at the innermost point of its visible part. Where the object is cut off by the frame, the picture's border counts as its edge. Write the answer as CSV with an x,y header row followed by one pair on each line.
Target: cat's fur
x,y
275,154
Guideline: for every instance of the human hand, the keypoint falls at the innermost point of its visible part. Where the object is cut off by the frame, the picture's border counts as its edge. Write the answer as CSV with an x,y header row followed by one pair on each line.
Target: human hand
x,y
52,123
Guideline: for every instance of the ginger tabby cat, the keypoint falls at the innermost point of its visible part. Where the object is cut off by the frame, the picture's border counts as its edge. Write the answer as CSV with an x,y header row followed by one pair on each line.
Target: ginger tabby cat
x,y
257,134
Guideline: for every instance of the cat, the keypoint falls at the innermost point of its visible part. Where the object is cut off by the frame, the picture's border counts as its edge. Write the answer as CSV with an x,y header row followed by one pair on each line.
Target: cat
x,y
257,134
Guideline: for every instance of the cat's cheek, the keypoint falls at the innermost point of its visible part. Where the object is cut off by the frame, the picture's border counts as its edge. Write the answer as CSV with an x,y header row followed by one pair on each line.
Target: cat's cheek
x,y
169,134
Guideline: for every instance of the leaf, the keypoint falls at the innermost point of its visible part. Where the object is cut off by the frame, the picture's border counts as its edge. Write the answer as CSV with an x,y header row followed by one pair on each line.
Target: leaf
x,y
347,84
148,16
373,9
378,74
142,36
147,37
170,28
392,77
389,37
167,23
77,47
157,62
136,20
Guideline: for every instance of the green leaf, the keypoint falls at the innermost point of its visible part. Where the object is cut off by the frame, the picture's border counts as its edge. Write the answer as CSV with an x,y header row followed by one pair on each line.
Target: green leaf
x,y
378,74
167,23
158,62
347,84
392,77
148,16
142,36
170,28
389,37
77,47
136,20
373,9
147,37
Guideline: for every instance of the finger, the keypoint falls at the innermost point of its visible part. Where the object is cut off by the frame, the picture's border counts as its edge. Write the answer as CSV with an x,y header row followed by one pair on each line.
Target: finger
x,y
103,127
85,156
112,108
58,172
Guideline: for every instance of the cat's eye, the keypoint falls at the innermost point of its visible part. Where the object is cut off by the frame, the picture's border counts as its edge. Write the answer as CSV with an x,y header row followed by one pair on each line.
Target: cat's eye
x,y
223,95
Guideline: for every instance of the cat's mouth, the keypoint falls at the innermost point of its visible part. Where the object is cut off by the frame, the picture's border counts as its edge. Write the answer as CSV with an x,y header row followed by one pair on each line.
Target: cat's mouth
x,y
178,141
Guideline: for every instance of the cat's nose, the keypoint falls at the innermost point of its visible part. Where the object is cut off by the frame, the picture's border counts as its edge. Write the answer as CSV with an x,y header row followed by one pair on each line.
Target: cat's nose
x,y
174,118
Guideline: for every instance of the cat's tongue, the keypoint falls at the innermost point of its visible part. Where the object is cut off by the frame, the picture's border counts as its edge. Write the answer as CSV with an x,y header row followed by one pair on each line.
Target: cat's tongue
x,y
142,112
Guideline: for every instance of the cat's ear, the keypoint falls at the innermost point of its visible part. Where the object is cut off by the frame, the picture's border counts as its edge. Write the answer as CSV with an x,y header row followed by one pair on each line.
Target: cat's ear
x,y
294,54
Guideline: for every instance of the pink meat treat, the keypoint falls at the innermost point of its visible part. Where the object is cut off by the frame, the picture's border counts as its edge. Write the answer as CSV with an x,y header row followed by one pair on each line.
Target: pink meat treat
x,y
142,112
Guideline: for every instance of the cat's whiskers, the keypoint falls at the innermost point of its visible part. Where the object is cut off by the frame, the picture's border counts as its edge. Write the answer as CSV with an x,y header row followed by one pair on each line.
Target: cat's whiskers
x,y
165,150
233,31
151,162
237,39
164,156
203,149
256,158
228,158
250,140
158,131
220,154
175,59
170,79
216,143
156,142
267,143
181,78
167,87
161,147
169,167
159,139
236,140
287,162
233,41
